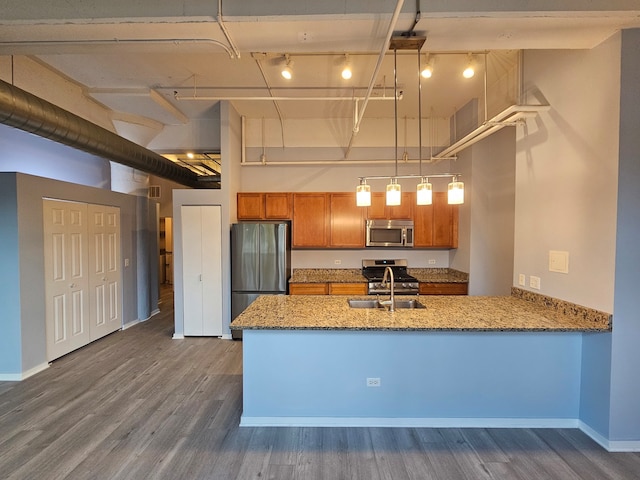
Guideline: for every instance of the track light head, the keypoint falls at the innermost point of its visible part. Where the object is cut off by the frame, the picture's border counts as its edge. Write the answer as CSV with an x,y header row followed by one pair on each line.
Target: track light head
x,y
346,68
469,71
286,71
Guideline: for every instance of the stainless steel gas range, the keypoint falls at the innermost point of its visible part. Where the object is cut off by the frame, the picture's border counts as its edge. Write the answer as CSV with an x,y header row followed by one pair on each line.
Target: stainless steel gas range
x,y
373,270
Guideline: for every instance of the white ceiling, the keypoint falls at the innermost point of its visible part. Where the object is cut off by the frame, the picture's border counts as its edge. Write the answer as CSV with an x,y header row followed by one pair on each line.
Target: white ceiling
x,y
136,66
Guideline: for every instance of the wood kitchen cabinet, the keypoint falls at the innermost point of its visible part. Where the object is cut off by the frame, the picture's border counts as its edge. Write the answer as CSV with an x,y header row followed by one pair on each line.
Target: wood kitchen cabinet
x,y
333,288
346,221
443,288
347,289
378,210
308,288
310,220
277,206
264,206
250,206
436,225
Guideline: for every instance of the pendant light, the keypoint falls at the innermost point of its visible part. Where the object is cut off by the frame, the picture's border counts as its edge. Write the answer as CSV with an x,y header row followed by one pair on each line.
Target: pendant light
x,y
424,193
363,194
394,194
455,193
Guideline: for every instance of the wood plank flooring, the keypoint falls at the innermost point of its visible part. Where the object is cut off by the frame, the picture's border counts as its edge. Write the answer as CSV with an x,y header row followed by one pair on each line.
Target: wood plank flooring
x,y
139,405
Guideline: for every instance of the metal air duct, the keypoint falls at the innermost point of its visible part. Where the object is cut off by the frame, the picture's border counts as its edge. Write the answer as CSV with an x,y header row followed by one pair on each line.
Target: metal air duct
x,y
21,109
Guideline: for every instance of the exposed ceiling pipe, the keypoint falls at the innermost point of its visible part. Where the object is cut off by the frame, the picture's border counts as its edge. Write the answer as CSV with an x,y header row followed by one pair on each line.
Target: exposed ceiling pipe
x,y
23,110
256,57
115,41
383,51
223,27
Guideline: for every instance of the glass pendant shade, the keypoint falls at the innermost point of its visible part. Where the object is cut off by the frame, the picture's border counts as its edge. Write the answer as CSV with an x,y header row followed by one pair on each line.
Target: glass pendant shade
x,y
455,193
363,195
393,193
424,193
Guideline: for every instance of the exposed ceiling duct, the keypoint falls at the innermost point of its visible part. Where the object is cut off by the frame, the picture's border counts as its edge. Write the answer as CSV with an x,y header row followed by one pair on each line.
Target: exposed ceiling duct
x,y
21,109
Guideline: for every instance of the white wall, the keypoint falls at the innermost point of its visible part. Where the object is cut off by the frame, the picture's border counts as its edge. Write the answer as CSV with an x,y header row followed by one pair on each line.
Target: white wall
x,y
566,172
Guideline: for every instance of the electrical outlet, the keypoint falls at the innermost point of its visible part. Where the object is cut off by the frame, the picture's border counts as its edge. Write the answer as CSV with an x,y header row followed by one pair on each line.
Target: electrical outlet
x,y
534,282
337,262
432,261
373,382
522,279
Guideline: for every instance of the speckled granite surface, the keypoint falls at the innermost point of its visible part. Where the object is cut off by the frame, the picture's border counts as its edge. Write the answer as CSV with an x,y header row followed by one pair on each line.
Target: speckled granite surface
x,y
327,275
354,275
438,275
589,315
443,313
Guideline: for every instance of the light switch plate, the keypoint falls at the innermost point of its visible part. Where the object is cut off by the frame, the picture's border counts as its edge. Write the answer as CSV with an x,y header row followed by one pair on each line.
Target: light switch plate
x,y
522,279
558,261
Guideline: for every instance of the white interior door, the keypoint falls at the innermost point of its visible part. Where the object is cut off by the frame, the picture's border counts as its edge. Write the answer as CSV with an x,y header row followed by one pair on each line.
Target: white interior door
x,y
104,272
202,269
66,274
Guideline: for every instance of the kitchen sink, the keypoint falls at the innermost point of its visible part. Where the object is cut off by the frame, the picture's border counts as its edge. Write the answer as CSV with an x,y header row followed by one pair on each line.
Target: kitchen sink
x,y
409,304
360,303
370,303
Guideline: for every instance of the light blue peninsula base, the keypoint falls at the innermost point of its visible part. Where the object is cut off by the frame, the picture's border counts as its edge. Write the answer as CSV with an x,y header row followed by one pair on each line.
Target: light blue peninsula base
x,y
427,379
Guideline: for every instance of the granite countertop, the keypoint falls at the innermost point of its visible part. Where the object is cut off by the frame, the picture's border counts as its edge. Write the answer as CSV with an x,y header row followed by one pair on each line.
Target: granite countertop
x,y
354,275
443,313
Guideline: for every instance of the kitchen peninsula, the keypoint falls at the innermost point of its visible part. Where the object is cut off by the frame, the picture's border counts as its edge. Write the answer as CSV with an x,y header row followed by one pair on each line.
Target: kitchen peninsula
x,y
461,361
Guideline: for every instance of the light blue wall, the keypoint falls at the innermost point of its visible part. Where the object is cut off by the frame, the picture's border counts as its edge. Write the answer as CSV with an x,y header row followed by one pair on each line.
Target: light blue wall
x,y
595,385
625,381
423,375
10,344
27,153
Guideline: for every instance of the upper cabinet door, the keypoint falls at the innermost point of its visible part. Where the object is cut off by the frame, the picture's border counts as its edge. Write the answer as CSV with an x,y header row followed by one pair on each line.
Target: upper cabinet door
x,y
277,206
436,225
379,210
346,221
250,206
310,214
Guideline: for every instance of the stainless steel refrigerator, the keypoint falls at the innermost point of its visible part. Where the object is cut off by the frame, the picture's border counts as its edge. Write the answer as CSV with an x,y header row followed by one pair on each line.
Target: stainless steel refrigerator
x,y
260,263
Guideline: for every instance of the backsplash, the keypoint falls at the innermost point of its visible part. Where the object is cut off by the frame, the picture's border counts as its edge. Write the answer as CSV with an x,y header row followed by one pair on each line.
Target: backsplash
x,y
566,308
417,258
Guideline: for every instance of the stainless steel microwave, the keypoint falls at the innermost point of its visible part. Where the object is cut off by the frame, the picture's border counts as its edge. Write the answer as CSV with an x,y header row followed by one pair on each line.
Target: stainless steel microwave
x,y
389,233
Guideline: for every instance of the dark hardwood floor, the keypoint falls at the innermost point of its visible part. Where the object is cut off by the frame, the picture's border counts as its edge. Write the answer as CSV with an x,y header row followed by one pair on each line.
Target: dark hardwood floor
x,y
139,405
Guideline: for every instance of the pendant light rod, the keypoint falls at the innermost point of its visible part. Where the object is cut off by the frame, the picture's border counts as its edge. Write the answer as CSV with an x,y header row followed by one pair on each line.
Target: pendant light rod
x,y
419,113
429,175
395,103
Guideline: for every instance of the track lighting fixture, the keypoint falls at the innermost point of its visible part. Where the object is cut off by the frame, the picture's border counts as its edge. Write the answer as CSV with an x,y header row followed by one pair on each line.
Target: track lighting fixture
x,y
287,72
469,71
346,68
427,71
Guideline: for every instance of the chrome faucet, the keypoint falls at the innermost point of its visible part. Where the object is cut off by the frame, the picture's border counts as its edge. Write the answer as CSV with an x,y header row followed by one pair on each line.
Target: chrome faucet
x,y
392,301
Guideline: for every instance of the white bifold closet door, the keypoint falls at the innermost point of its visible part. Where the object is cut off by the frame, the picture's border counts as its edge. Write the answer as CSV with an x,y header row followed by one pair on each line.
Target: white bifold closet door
x,y
82,274
202,269
104,270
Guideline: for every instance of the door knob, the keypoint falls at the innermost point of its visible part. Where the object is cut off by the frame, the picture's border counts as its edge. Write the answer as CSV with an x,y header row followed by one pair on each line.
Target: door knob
x,y
71,285
104,279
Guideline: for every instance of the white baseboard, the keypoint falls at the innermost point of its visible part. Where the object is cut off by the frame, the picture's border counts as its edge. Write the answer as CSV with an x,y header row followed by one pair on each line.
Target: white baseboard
x,y
226,336
140,320
610,445
178,336
246,421
16,377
